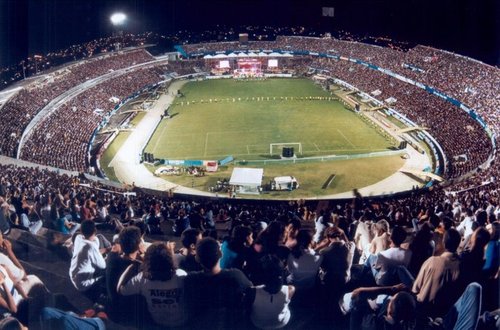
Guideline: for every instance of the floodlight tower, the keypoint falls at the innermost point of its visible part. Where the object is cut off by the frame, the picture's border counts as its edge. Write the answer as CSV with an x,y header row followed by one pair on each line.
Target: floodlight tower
x,y
118,20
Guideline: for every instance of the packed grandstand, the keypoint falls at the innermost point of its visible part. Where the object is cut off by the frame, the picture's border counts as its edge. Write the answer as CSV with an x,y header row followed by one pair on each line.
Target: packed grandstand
x,y
434,250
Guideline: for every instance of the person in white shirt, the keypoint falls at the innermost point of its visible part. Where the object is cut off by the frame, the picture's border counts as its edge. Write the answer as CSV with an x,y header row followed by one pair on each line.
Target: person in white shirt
x,y
269,301
87,263
11,293
303,263
465,227
385,267
9,261
160,283
320,224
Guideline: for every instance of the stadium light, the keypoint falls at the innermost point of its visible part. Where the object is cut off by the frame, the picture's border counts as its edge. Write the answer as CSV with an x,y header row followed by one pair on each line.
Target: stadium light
x,y
118,19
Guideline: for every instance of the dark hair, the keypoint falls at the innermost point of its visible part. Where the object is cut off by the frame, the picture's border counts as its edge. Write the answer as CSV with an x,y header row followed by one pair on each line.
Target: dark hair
x,y
88,228
272,273
296,224
271,237
447,223
208,252
10,323
304,239
495,231
404,309
482,218
422,238
398,235
239,237
130,239
141,225
190,236
210,233
158,263
451,240
335,232
482,237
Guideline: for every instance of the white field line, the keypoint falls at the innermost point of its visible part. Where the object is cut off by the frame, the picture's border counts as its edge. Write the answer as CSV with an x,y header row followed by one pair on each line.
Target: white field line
x,y
160,138
348,141
206,144
317,148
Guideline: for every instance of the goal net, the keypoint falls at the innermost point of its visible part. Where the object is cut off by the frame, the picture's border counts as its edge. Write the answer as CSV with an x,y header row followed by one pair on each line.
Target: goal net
x,y
277,148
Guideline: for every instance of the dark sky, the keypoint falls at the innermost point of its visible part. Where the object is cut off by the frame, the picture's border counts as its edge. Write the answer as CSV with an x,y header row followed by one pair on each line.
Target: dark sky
x,y
471,27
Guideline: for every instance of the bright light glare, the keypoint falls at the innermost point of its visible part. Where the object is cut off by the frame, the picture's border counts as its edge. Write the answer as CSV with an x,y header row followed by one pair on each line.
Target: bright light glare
x,y
118,18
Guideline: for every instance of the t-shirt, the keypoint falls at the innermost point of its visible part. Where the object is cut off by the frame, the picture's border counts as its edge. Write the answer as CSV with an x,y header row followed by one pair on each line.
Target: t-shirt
x,y
60,225
165,299
16,272
115,266
337,262
86,263
187,263
10,286
216,298
231,258
303,270
387,261
270,311
437,283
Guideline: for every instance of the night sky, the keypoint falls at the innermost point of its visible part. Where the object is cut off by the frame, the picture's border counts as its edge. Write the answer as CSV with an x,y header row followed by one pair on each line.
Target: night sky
x,y
470,27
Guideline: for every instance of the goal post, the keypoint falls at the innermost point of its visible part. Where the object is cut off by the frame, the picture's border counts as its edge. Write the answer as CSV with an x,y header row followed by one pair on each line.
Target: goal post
x,y
279,146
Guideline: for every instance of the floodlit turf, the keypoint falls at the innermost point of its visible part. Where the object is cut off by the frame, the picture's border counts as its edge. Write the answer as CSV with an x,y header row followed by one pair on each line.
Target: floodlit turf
x,y
110,153
239,125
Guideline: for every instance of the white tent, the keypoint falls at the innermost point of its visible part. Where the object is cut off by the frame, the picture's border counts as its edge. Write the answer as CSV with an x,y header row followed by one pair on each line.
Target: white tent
x,y
247,180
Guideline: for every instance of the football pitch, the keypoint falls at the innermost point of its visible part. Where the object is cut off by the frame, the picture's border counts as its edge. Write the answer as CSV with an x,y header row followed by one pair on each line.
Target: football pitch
x,y
224,117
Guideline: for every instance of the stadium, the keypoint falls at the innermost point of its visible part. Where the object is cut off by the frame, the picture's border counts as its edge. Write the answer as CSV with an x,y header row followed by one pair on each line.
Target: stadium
x,y
187,187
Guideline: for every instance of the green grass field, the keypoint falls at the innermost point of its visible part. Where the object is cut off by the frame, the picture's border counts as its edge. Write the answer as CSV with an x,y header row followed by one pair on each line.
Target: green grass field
x,y
240,125
245,128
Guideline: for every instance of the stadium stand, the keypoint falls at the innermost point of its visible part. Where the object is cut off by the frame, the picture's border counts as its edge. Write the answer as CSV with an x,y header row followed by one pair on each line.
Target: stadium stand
x,y
444,241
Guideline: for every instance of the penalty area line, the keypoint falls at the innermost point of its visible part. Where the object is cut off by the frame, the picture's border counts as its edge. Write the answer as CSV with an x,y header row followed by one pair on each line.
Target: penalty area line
x,y
348,141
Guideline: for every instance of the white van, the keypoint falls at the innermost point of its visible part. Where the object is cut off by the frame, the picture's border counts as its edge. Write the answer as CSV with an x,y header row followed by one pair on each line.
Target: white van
x,y
284,183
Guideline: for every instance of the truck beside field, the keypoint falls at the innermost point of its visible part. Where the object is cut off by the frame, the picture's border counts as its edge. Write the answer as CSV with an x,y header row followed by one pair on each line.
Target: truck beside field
x,y
284,183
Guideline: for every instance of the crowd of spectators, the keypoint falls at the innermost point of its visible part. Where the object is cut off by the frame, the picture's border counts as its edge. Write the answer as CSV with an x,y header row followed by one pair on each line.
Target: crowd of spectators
x,y
35,64
432,255
464,142
455,130
469,81
427,259
61,140
23,106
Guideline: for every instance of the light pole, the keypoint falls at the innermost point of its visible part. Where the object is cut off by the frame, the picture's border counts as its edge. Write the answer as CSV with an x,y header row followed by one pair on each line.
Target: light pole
x,y
118,20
